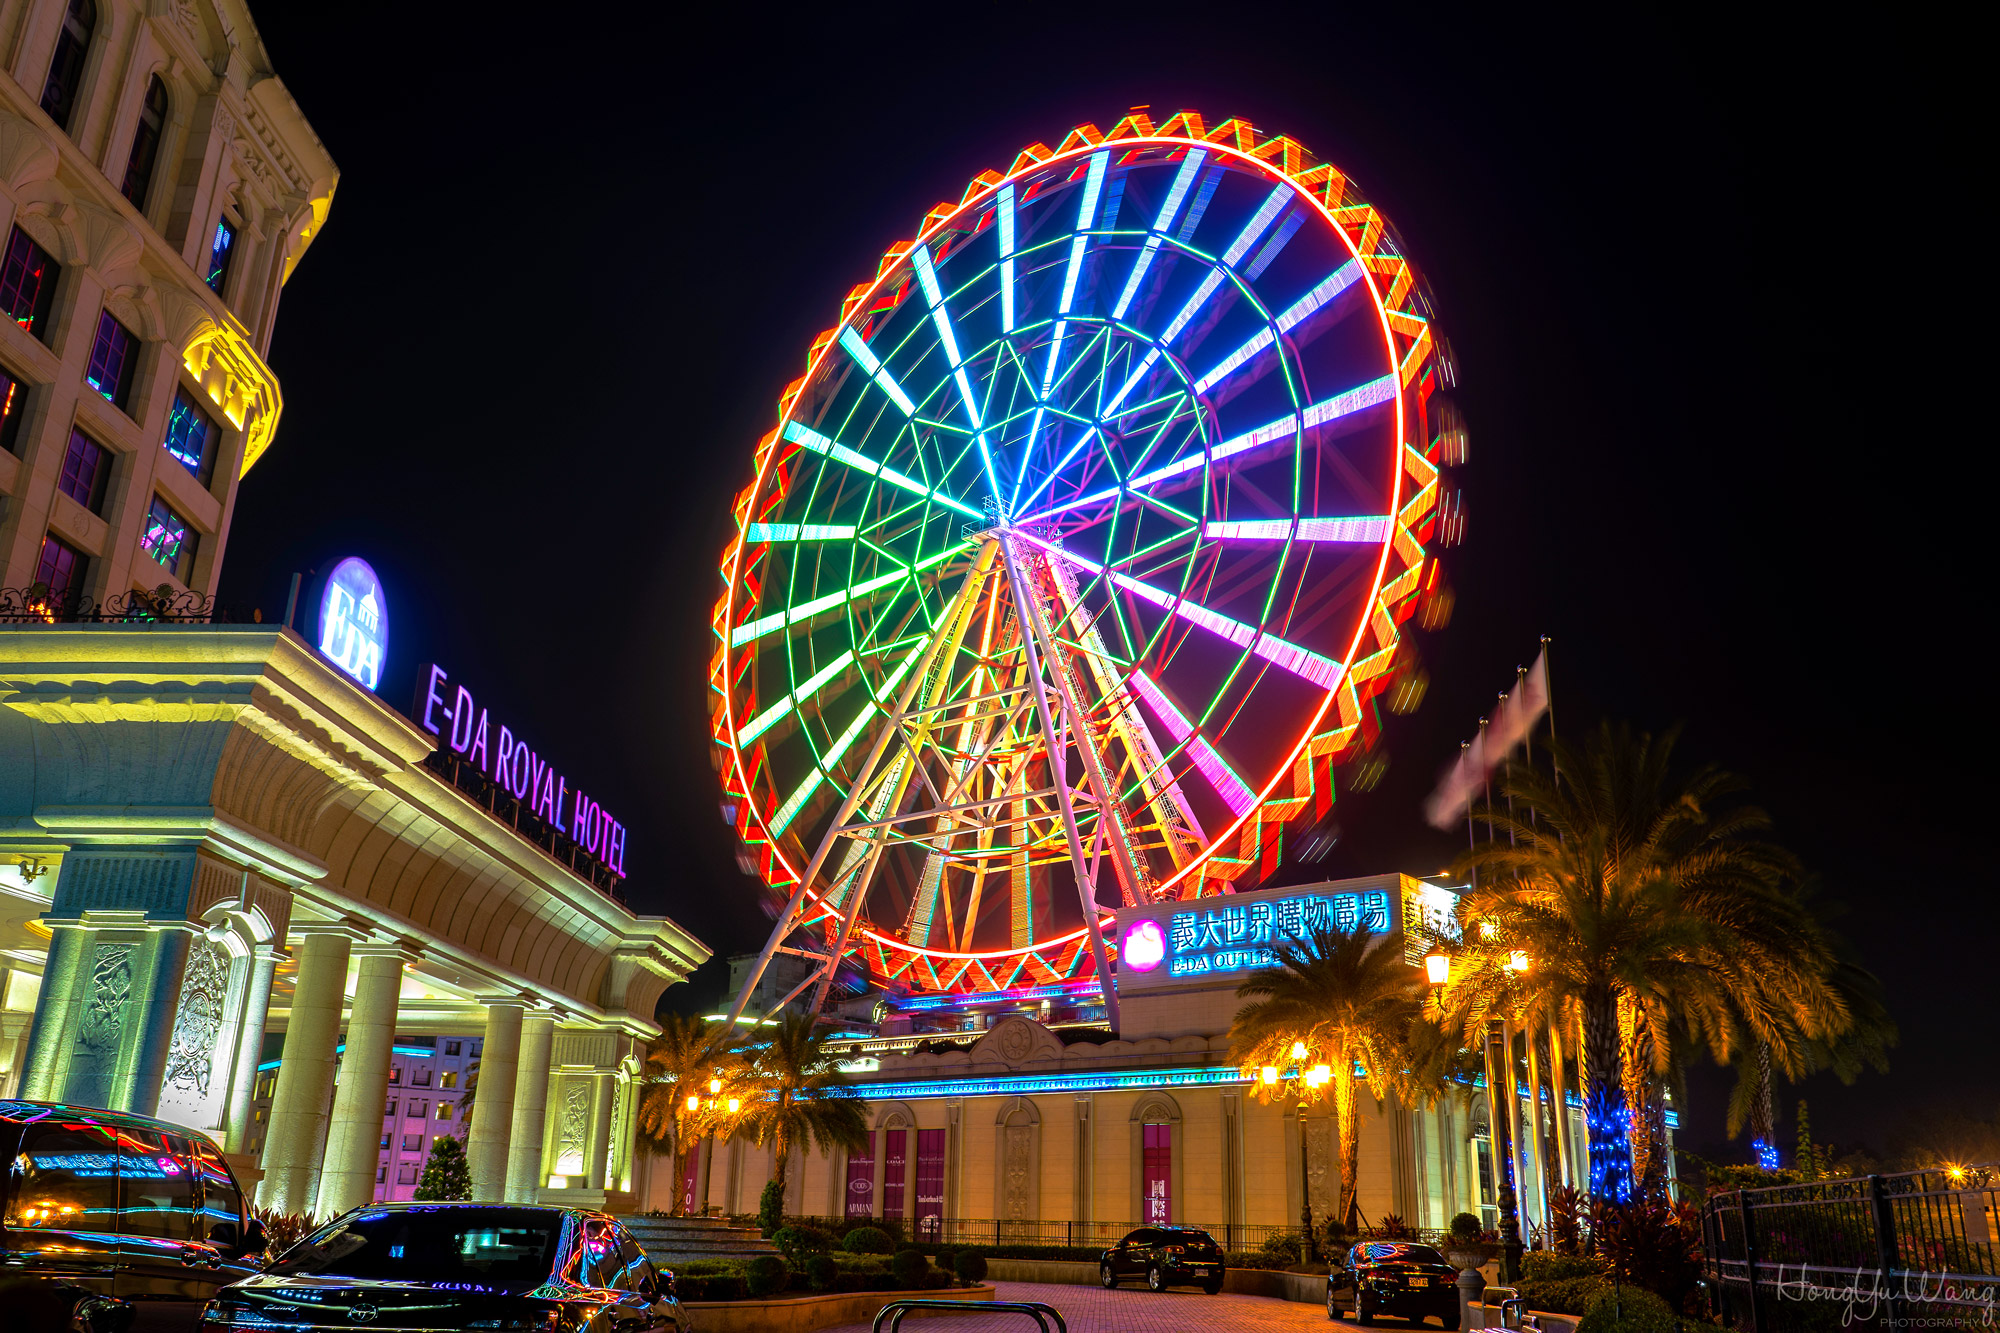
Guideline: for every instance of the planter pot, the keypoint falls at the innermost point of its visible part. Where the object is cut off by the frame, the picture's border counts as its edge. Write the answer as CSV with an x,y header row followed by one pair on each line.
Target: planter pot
x,y
1469,1256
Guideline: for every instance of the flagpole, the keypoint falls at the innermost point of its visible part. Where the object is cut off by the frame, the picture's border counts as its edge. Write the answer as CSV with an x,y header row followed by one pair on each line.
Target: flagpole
x,y
1464,750
1549,684
1486,778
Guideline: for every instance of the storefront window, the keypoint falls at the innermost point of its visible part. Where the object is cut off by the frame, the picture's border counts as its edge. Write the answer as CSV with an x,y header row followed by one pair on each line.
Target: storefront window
x,y
861,1180
895,1149
930,1181
1156,1180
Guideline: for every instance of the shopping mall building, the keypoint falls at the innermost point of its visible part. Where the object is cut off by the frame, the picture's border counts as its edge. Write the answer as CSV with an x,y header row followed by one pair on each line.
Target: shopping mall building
x,y
215,839
1020,1114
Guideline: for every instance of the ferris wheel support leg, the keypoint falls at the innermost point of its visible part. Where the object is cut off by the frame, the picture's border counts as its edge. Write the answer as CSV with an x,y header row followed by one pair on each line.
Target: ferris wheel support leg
x,y
1085,887
788,919
847,918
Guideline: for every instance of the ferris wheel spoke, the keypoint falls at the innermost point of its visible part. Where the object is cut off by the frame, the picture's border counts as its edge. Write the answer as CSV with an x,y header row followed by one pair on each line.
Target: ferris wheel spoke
x,y
872,365
1235,793
1372,530
1183,180
1340,280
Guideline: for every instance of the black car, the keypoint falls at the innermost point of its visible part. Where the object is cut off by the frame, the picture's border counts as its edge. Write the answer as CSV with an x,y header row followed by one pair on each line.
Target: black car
x,y
412,1267
115,1223
1165,1257
1394,1277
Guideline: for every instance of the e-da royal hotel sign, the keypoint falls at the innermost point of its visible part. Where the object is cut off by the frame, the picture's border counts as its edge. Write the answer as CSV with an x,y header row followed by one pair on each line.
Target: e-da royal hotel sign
x,y
448,712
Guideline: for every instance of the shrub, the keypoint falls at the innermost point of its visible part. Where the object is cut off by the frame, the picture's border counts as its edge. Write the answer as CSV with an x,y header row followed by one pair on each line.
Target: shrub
x,y
943,1257
1465,1226
800,1241
1569,1295
892,1227
1651,1243
771,1207
1544,1266
868,1240
822,1271
768,1275
910,1268
711,1287
284,1230
1284,1245
970,1265
1629,1310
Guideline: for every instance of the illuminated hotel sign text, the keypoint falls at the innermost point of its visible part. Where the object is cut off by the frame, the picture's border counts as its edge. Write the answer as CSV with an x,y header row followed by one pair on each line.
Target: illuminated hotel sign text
x,y
1238,937
450,714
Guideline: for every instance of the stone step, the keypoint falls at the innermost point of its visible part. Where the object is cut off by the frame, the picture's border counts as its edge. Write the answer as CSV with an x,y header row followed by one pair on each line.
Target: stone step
x,y
679,1240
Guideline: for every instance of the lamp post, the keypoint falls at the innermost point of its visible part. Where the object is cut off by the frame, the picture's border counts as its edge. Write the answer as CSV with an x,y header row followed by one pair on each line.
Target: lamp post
x,y
713,1105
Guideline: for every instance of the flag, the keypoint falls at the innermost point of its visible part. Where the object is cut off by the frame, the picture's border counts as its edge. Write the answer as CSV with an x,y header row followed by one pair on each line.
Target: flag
x,y
1511,724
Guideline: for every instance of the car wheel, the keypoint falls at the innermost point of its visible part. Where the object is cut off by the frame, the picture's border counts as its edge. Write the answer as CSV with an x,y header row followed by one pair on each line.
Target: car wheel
x,y
1332,1304
1106,1277
1213,1286
1155,1279
1363,1315
1450,1321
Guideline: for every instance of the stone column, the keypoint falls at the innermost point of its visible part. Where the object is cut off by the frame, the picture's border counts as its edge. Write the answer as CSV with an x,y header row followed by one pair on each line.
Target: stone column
x,y
249,1049
493,1108
531,1104
64,978
354,1141
305,1076
136,1087
597,1152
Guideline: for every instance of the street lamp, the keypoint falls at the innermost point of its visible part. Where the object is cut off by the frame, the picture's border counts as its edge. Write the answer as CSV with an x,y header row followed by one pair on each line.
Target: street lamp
x,y
1437,967
1298,1050
715,1087
1270,1073
694,1102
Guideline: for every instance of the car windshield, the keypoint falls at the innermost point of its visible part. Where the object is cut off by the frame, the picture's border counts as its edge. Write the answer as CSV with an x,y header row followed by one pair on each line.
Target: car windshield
x,y
1393,1253
437,1244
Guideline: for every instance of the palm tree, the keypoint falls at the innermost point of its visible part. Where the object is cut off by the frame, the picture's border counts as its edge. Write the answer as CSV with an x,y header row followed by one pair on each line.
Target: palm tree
x,y
1646,907
1349,998
806,1100
679,1062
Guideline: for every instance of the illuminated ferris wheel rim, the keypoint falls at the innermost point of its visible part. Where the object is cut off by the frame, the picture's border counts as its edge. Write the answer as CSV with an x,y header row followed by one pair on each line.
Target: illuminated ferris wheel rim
x,y
894,268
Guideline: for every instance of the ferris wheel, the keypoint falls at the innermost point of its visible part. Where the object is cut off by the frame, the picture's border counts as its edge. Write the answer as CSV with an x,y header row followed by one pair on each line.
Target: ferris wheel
x,y
1076,556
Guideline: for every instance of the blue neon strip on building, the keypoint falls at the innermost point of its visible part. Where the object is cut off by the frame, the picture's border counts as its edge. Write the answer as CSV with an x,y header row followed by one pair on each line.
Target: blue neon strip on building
x,y
1020,1086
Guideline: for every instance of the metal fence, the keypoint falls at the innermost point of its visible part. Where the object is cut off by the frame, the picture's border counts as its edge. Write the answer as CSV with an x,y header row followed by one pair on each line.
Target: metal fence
x,y
1889,1251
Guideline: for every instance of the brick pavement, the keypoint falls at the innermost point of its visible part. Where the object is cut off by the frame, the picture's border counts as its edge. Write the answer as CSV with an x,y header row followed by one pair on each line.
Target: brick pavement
x,y
1129,1310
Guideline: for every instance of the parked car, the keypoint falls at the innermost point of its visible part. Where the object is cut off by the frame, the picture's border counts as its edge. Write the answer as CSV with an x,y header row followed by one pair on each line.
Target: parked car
x,y
1165,1257
425,1266
115,1223
1394,1277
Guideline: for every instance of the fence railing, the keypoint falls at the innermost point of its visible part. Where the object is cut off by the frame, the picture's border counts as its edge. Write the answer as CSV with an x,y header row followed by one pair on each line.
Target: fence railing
x,y
1233,1237
1915,1246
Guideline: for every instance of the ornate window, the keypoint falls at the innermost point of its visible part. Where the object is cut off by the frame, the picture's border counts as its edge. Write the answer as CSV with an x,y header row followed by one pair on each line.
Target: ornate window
x,y
146,145
28,283
13,401
114,355
169,539
219,252
59,94
86,471
60,570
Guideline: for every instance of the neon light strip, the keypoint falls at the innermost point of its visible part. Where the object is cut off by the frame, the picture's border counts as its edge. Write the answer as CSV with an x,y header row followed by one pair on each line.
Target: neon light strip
x,y
1354,400
927,276
1305,529
763,722
796,532
1110,409
1212,765
1207,1077
1244,240
1343,277
797,800
859,351
1189,166
1092,185
1070,990
807,438
1302,662
1007,258
792,615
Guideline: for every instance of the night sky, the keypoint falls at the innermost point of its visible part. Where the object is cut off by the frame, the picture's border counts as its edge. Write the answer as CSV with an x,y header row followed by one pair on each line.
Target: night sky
x,y
1685,265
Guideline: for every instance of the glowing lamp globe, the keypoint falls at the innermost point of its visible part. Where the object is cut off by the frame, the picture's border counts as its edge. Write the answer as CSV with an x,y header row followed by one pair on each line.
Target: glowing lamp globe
x,y
1437,967
1143,946
694,1102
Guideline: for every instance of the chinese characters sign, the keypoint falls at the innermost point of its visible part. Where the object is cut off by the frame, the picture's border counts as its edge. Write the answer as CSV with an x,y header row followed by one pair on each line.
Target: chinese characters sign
x,y
1241,936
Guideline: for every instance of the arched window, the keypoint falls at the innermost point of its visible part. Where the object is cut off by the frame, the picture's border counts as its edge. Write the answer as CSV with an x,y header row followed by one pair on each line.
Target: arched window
x,y
146,145
66,69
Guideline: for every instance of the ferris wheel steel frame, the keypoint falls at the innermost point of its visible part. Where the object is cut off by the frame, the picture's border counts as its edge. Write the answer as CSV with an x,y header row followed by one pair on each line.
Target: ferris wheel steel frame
x,y
1034,677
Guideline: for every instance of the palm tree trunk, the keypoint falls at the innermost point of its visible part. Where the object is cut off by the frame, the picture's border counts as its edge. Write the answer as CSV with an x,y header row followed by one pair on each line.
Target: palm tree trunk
x,y
1636,1050
1763,1112
1604,1099
1350,1143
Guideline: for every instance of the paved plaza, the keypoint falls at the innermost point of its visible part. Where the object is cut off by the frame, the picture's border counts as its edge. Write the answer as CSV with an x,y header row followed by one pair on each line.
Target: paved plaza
x,y
1130,1310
